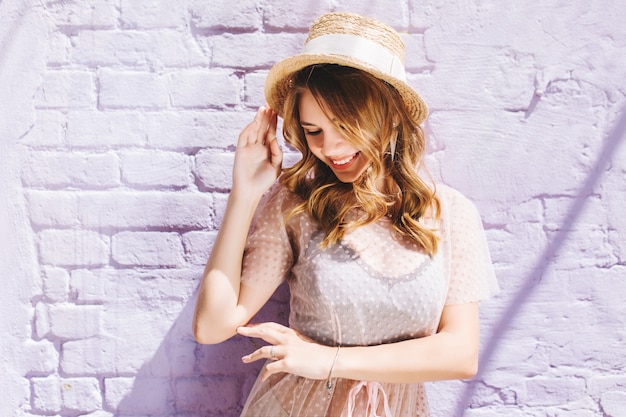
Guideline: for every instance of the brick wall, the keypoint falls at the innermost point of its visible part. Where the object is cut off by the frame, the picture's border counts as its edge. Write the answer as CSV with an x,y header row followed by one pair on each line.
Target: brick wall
x,y
116,143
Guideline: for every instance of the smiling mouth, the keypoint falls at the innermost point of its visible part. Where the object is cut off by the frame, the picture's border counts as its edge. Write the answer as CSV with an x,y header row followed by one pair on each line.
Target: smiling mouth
x,y
345,162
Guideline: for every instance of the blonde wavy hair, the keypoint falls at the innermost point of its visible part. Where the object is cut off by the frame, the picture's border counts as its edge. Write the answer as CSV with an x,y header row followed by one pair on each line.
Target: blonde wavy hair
x,y
371,114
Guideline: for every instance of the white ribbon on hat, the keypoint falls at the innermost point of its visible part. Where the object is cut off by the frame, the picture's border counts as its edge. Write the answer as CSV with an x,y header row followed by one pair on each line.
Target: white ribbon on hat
x,y
365,50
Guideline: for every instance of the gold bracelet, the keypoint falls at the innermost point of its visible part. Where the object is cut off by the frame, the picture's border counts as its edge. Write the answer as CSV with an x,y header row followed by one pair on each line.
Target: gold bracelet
x,y
329,384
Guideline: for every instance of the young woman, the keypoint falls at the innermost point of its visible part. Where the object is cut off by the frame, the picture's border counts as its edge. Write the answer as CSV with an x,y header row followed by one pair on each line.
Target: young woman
x,y
385,269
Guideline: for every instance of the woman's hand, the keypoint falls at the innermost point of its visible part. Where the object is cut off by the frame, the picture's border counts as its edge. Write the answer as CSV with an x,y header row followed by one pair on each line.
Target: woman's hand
x,y
290,351
258,158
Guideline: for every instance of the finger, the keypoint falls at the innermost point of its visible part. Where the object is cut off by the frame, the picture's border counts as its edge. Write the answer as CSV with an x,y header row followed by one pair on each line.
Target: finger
x,y
249,134
276,154
271,128
264,352
272,333
263,125
269,325
272,368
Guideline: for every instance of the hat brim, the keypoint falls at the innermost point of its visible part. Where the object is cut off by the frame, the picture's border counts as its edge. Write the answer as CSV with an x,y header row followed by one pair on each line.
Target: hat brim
x,y
277,83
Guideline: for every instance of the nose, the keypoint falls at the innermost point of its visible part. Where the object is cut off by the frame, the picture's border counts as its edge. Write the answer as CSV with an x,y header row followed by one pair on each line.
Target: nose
x,y
334,142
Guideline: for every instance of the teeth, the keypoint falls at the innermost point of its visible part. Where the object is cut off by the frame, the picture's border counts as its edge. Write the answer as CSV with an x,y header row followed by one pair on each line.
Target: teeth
x,y
344,161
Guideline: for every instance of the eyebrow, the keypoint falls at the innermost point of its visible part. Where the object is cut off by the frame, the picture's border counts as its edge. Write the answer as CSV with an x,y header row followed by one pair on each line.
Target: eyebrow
x,y
303,123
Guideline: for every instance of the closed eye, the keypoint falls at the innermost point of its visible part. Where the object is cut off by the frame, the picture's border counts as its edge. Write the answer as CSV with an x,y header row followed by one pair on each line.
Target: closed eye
x,y
312,132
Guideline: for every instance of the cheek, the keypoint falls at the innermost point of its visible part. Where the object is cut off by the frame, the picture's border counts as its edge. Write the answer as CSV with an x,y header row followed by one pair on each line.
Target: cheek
x,y
314,145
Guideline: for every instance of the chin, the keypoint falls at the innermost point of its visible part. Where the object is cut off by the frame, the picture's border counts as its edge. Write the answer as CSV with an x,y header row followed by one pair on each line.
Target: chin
x,y
349,177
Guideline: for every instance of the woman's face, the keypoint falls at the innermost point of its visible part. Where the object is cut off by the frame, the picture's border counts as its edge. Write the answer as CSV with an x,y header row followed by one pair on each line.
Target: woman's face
x,y
327,143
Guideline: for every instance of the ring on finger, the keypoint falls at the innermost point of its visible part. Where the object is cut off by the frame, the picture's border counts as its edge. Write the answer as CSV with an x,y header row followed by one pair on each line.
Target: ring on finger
x,y
272,356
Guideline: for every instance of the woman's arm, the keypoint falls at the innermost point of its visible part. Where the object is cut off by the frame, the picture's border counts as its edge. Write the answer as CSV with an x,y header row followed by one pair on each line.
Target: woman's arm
x,y
223,303
451,353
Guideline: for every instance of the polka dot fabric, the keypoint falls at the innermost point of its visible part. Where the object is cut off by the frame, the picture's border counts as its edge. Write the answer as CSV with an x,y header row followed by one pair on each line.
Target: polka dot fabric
x,y
371,288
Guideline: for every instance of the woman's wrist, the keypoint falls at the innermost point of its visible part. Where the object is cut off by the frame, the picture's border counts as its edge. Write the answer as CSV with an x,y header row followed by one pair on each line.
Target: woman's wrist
x,y
329,380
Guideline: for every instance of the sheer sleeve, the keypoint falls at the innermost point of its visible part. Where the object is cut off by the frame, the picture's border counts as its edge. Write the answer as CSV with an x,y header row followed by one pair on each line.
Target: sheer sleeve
x,y
268,255
472,277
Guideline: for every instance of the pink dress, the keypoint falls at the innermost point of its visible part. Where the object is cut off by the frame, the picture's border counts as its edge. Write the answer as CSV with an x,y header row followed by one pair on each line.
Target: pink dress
x,y
371,288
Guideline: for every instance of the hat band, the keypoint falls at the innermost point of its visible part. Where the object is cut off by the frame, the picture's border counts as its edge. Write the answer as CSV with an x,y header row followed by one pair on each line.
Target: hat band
x,y
362,49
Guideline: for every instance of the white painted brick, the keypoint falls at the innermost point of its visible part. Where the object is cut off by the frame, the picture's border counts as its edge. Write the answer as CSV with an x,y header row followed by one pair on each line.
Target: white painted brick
x,y
602,293
111,47
146,14
599,384
81,394
507,385
499,241
121,209
127,395
95,129
301,15
590,246
55,284
503,213
153,286
69,321
137,49
265,47
519,352
52,208
62,169
617,236
73,247
243,14
613,403
58,49
132,89
47,130
102,14
552,390
198,246
214,170
618,245
150,168
46,394
469,140
116,390
145,209
220,207
147,249
415,54
202,88
42,319
39,357
86,287
393,12
173,48
255,89
66,89
422,15
89,356
182,354
183,130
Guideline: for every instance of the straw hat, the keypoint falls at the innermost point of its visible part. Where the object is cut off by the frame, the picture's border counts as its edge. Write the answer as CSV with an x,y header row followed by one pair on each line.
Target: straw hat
x,y
354,41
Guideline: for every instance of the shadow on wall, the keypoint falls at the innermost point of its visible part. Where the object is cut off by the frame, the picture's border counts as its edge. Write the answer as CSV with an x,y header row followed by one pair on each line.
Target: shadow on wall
x,y
203,380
